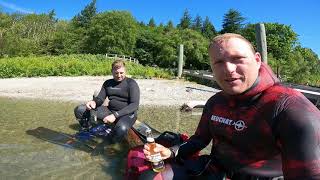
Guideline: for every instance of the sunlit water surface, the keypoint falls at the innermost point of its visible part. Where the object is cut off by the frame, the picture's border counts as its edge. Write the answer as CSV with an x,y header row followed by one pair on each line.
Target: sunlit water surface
x,y
26,153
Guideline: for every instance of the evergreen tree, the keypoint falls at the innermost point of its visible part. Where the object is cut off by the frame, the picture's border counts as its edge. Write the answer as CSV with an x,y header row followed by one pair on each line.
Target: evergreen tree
x,y
84,18
197,24
169,26
81,24
208,30
142,24
52,15
185,21
232,22
152,22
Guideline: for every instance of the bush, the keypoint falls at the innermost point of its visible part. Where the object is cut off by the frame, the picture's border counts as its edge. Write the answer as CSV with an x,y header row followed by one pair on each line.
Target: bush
x,y
71,65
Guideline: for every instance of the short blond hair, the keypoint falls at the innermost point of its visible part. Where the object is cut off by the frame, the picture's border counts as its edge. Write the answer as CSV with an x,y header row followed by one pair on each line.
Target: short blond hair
x,y
225,37
118,64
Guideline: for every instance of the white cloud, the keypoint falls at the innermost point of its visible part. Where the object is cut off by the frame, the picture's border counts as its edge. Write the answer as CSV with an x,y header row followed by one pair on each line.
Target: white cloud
x,y
15,8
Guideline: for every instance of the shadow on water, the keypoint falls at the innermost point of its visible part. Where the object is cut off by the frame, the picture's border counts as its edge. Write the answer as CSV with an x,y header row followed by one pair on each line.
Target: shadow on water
x,y
108,156
74,127
59,138
36,141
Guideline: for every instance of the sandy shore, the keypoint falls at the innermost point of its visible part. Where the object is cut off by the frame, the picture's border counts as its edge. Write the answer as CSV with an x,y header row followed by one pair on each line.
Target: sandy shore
x,y
80,89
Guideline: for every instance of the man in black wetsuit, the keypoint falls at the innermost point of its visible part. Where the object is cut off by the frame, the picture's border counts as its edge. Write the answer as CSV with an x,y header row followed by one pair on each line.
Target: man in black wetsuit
x,y
123,94
252,120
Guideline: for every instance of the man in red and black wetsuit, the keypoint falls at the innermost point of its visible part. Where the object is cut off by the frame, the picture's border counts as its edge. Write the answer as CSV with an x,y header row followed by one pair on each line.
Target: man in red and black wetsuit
x,y
123,94
252,119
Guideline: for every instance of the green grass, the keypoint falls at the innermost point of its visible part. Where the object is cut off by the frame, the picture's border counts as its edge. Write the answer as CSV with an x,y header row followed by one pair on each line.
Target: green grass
x,y
71,65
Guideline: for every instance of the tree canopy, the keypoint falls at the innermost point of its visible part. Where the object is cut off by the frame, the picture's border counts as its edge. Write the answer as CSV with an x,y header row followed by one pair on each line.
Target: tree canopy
x,y
90,32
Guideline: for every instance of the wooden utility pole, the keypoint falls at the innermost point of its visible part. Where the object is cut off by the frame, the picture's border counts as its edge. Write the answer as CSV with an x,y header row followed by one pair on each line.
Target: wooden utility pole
x,y
262,42
180,63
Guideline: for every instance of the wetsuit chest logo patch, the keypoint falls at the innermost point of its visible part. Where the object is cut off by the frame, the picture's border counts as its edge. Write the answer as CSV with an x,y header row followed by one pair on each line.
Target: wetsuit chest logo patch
x,y
239,125
115,88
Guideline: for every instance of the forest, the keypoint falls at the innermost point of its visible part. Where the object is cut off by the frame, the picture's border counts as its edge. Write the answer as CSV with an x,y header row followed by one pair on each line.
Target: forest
x,y
32,36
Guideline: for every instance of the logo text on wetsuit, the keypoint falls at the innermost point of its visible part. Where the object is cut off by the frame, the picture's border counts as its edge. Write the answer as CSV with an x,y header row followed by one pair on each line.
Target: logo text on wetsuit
x,y
239,125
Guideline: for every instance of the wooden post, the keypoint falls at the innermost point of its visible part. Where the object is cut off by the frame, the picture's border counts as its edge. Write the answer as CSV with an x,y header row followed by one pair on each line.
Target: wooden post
x,y
180,63
262,42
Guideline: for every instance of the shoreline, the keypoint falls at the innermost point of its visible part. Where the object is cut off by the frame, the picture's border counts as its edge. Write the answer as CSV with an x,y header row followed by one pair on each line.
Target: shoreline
x,y
160,92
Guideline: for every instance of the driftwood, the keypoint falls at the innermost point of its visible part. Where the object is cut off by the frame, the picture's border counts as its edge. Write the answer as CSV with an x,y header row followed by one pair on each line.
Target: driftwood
x,y
188,106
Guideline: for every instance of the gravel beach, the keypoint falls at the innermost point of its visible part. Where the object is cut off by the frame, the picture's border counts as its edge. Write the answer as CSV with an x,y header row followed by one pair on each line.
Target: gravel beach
x,y
80,89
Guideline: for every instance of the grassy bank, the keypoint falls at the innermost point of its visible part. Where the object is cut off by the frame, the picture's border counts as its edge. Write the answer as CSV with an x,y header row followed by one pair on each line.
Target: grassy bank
x,y
71,65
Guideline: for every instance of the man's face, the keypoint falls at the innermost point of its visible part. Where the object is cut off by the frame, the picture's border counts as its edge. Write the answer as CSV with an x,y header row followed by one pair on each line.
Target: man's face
x,y
234,65
119,73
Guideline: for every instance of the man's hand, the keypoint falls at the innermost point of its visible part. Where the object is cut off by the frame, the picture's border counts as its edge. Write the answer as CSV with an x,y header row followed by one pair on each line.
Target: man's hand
x,y
91,105
109,119
165,152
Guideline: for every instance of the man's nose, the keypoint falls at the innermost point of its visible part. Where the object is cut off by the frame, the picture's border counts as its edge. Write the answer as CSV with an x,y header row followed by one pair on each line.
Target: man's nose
x,y
230,67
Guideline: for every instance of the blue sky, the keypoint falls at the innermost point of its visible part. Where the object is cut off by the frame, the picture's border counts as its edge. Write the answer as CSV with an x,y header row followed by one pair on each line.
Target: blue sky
x,y
302,15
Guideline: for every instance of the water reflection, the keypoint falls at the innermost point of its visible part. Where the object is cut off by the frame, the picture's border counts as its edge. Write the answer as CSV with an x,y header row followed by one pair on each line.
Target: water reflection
x,y
170,118
35,135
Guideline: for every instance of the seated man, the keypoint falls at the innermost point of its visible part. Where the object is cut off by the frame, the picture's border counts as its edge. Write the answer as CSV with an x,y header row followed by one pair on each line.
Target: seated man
x,y
252,119
123,94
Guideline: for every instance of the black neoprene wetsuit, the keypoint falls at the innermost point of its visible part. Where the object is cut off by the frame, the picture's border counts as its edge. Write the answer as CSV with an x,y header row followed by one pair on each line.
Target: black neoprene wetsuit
x,y
123,98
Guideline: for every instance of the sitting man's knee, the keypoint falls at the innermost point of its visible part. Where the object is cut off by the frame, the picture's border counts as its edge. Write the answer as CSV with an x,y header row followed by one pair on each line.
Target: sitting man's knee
x,y
119,132
122,129
79,111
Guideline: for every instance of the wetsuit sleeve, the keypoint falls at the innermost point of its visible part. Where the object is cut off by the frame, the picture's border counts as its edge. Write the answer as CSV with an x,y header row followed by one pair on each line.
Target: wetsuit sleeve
x,y
134,99
198,141
299,138
102,94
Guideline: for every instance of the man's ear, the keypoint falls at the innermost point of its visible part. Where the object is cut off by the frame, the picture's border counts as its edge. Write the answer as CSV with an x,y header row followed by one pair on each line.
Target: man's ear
x,y
258,59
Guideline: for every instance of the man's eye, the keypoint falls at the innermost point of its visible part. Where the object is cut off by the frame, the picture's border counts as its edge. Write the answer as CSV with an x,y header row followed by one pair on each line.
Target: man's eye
x,y
239,59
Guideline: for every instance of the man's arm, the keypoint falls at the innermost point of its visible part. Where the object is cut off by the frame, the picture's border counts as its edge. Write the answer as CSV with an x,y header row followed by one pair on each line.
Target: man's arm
x,y
134,98
196,142
299,138
102,94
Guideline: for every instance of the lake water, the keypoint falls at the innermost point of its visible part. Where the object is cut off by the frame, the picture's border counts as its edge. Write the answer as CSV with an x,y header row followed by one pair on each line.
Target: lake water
x,y
31,129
